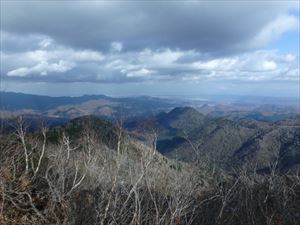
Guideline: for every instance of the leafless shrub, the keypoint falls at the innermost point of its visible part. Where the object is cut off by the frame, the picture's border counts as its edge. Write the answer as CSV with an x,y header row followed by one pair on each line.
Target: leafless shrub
x,y
84,181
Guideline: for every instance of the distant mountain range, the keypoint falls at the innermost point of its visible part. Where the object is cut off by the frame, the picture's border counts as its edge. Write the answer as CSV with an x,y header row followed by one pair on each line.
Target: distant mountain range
x,y
13,104
18,101
65,108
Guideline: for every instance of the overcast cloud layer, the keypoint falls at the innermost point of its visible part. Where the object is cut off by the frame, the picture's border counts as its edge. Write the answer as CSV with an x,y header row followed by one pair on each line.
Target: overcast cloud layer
x,y
125,42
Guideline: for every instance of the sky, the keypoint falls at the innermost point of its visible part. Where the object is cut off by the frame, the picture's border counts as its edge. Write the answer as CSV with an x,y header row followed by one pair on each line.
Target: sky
x,y
167,48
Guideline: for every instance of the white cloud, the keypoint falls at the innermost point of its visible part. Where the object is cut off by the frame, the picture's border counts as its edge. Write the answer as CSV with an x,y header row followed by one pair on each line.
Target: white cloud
x,y
46,42
140,73
85,55
50,60
269,65
116,46
161,56
290,57
293,73
42,69
222,64
275,29
63,53
46,59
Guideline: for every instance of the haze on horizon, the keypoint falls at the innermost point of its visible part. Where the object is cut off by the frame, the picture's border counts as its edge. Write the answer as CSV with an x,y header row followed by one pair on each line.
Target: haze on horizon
x,y
150,48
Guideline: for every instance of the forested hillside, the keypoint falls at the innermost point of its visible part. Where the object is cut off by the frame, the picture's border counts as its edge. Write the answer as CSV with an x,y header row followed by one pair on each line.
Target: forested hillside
x,y
91,171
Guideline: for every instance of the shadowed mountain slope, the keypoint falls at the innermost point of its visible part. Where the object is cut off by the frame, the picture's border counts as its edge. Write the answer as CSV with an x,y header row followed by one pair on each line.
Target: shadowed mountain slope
x,y
186,134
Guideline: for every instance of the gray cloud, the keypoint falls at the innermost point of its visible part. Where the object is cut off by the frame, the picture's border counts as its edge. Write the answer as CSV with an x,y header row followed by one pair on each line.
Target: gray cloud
x,y
127,42
211,27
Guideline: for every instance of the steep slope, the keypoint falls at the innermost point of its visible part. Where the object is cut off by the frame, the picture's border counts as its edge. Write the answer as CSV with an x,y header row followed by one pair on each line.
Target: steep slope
x,y
186,134
278,146
177,122
261,146
216,139
185,119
